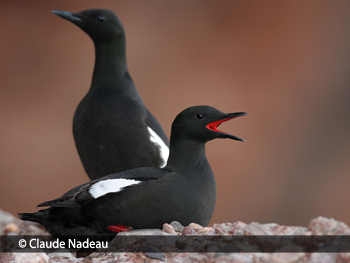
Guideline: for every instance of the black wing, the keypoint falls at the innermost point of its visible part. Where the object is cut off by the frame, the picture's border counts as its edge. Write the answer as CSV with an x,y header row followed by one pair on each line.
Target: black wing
x,y
80,195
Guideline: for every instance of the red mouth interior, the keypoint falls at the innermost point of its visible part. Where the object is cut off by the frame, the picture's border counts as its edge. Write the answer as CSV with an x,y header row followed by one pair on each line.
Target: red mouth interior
x,y
214,125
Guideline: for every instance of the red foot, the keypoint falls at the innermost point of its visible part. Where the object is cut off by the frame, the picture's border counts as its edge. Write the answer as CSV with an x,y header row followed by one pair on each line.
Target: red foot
x,y
119,228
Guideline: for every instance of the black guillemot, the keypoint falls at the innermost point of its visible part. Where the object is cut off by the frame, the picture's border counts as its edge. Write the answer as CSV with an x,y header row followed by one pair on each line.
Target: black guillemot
x,y
113,130
184,190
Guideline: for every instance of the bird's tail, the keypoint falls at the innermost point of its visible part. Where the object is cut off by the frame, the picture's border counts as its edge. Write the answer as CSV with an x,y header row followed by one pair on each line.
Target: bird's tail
x,y
34,217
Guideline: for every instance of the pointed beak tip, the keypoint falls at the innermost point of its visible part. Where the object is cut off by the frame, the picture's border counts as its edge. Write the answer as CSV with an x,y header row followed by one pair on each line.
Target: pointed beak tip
x,y
240,114
235,115
238,139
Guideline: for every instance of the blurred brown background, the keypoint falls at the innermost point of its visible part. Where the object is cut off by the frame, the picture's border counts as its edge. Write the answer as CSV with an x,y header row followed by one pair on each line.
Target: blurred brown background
x,y
286,63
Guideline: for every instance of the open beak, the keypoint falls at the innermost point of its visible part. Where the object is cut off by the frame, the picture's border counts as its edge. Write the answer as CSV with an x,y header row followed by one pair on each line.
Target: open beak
x,y
68,16
213,126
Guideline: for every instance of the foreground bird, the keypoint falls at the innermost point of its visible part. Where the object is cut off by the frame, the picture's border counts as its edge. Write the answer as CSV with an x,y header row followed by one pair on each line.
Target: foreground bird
x,y
113,130
184,190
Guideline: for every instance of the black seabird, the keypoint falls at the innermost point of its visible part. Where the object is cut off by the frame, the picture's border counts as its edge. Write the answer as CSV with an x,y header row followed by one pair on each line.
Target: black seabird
x,y
113,130
184,190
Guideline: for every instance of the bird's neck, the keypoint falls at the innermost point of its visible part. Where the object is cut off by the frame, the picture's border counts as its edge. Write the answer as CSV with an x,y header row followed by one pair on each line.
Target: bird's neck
x,y
187,156
110,66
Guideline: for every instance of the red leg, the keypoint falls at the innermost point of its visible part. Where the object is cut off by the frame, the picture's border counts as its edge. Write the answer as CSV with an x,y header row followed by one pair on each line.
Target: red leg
x,y
119,228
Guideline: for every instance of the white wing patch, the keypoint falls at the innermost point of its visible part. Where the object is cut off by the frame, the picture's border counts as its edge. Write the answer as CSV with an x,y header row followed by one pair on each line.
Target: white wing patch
x,y
163,148
110,186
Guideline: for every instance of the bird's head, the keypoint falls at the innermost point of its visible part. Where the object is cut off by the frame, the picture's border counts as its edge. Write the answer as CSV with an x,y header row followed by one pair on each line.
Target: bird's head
x,y
201,123
102,25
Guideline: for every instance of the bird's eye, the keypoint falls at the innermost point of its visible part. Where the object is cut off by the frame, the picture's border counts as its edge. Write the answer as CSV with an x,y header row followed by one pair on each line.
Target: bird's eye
x,y
199,116
101,18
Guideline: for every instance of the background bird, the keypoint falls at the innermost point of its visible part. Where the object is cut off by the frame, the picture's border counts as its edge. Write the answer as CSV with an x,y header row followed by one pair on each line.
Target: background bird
x,y
113,130
147,197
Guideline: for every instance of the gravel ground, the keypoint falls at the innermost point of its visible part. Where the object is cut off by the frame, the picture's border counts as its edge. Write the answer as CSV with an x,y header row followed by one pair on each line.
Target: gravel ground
x,y
10,225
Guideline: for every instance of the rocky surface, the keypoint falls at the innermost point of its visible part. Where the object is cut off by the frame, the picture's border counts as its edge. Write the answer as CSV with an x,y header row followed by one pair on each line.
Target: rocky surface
x,y
9,225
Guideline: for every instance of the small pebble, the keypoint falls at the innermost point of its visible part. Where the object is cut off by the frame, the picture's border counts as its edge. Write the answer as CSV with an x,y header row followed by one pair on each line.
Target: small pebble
x,y
177,226
256,229
188,231
168,229
207,231
154,254
328,226
11,227
195,226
